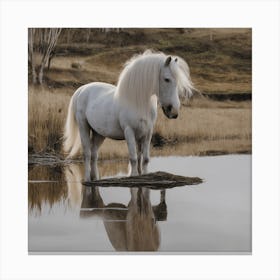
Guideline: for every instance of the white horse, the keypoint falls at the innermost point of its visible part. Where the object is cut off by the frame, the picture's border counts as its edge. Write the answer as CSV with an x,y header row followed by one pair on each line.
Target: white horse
x,y
127,111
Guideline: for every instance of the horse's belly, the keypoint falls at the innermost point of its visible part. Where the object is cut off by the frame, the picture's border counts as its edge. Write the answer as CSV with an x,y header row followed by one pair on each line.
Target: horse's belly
x,y
103,119
109,130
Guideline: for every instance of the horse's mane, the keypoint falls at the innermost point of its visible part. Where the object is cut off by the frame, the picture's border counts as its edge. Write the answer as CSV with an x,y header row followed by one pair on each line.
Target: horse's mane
x,y
139,80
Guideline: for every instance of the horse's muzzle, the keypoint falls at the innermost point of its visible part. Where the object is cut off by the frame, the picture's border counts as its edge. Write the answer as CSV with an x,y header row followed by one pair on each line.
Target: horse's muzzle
x,y
168,112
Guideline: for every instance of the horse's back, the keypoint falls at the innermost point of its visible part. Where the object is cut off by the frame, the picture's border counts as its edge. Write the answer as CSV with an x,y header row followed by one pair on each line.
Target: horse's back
x,y
94,89
99,86
86,94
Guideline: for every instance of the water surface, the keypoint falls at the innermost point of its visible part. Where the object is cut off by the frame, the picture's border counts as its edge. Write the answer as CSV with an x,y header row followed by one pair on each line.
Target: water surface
x,y
212,217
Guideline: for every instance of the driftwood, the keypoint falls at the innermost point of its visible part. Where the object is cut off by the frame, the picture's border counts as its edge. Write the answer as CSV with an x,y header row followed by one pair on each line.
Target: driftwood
x,y
156,180
46,159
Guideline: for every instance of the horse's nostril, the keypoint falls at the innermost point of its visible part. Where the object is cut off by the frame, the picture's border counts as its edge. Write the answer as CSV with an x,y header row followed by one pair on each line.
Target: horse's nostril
x,y
169,108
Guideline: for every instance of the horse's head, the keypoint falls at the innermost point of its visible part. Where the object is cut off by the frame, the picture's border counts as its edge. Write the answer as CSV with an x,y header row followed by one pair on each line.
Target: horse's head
x,y
174,80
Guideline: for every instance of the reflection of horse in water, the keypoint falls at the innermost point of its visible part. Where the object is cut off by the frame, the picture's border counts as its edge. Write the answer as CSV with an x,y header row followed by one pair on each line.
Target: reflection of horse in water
x,y
129,228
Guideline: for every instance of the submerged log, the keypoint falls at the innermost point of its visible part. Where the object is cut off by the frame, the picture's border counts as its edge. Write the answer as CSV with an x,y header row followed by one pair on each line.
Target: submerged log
x,y
156,180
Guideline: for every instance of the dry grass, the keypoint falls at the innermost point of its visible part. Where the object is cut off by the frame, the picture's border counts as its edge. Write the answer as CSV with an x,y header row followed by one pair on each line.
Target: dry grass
x,y
203,126
46,116
197,124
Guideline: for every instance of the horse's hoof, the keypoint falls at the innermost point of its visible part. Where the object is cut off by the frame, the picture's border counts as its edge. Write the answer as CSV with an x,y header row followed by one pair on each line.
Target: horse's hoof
x,y
86,183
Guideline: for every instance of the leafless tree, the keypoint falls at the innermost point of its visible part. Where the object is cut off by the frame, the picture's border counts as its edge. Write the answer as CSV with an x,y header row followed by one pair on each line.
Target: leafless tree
x,y
31,59
45,39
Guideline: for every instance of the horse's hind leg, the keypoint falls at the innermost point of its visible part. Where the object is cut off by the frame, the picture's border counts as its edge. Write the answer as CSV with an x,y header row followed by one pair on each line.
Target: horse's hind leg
x,y
96,142
84,129
139,156
131,144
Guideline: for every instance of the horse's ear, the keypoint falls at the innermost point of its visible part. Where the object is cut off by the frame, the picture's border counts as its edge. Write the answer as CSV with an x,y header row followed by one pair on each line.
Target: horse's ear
x,y
167,61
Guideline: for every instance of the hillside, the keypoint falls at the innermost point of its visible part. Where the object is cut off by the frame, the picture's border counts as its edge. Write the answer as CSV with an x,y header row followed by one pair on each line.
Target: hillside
x,y
219,59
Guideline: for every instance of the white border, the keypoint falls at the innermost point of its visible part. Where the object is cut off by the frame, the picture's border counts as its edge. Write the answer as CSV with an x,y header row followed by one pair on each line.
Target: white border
x,y
262,16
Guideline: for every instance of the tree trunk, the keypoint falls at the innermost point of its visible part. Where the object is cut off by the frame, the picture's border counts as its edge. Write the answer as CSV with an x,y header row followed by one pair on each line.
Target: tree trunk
x,y
49,44
46,39
31,33
41,74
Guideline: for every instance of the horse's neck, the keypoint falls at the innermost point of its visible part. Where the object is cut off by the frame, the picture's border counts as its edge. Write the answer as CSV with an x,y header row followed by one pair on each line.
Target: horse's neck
x,y
142,107
149,109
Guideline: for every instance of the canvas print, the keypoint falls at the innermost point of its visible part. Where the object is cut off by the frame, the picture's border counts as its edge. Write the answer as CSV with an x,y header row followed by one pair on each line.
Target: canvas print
x,y
139,140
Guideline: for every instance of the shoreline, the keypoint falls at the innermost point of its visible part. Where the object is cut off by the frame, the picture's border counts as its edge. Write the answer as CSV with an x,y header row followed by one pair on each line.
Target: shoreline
x,y
53,159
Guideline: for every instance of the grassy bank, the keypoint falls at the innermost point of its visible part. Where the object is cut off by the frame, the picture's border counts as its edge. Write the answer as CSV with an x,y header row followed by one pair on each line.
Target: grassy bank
x,y
203,127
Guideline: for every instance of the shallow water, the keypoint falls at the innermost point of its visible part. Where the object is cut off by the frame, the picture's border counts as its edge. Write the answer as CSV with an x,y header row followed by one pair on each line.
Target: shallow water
x,y
212,217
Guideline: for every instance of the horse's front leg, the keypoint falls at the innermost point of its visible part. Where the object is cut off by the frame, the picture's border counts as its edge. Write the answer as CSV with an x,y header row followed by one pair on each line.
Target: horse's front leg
x,y
131,144
146,152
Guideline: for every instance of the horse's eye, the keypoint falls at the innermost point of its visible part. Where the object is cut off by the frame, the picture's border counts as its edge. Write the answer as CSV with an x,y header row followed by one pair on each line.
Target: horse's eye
x,y
167,80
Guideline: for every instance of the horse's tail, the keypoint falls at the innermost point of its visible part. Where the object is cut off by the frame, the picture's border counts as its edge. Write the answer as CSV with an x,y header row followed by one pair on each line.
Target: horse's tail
x,y
71,137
